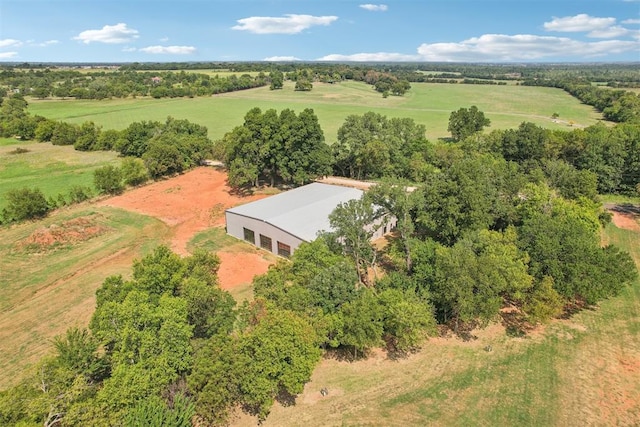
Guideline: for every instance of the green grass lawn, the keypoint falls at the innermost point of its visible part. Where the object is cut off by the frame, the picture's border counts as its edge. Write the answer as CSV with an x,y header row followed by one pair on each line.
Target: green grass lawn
x,y
427,103
53,169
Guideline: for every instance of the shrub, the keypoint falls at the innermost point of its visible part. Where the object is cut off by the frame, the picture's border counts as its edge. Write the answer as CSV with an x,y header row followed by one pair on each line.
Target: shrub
x,y
108,180
25,203
78,194
134,172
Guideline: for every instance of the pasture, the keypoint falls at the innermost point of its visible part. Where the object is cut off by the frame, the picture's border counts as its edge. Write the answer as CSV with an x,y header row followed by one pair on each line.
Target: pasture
x,y
427,103
52,168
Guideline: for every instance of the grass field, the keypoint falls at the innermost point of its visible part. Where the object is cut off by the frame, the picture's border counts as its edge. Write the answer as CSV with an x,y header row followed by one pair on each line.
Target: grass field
x,y
53,169
47,287
426,103
576,372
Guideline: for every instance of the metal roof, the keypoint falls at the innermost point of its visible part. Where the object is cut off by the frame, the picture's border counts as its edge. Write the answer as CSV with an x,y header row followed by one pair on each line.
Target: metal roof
x,y
303,211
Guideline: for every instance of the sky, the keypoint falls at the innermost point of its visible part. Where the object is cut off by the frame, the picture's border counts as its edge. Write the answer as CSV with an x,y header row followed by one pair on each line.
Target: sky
x,y
491,31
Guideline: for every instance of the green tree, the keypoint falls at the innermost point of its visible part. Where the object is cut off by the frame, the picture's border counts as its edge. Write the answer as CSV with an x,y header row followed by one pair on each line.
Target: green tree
x,y
87,136
25,203
362,322
466,122
303,85
277,79
277,356
134,172
352,232
474,276
108,180
407,319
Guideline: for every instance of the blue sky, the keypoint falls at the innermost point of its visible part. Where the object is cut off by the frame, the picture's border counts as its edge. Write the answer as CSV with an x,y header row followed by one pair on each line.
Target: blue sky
x,y
312,30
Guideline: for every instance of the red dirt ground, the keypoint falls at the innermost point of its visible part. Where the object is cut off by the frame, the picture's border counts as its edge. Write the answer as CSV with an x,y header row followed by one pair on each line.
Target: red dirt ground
x,y
191,203
625,221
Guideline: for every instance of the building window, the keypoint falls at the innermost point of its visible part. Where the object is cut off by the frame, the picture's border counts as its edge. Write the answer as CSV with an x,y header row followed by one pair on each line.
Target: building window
x,y
265,243
249,235
284,250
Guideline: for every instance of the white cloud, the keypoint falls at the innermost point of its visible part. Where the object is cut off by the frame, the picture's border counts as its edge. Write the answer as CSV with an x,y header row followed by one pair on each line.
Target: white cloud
x,y
578,23
374,7
111,34
289,24
609,33
371,57
281,59
172,50
46,43
631,21
129,49
8,55
499,48
10,42
164,39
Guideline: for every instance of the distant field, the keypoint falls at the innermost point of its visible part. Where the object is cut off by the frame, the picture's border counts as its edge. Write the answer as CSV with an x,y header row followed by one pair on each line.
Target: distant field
x,y
427,103
53,169
48,284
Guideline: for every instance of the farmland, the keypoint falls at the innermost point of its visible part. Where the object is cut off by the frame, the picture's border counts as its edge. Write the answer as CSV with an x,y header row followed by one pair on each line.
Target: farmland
x,y
428,104
53,169
581,370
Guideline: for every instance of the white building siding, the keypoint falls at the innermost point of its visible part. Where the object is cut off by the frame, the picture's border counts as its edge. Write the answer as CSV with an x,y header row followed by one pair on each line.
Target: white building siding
x,y
237,223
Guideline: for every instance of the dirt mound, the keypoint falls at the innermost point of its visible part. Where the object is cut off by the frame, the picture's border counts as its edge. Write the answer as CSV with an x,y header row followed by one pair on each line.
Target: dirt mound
x,y
67,233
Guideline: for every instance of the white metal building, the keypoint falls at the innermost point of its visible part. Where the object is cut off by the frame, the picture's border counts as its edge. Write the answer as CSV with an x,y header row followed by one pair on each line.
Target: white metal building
x,y
282,222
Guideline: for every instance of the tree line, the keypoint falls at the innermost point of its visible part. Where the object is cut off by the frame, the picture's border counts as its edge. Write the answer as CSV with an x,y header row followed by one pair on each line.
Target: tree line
x,y
150,150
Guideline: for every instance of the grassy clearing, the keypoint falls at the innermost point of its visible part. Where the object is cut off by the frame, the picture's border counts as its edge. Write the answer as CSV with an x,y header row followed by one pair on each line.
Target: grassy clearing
x,y
44,292
580,371
54,169
427,103
216,239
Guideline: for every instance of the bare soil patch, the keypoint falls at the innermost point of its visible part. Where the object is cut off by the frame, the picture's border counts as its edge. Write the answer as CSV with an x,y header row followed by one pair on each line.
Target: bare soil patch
x,y
625,216
191,203
56,235
237,268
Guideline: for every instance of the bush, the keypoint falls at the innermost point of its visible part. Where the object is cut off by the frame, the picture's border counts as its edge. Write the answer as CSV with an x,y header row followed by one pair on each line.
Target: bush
x,y
25,203
108,180
78,194
134,172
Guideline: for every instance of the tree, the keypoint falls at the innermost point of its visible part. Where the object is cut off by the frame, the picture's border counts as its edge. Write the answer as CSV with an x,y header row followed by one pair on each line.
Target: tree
x,y
162,158
276,357
108,180
476,275
87,136
25,203
351,223
399,201
362,322
303,85
407,319
465,122
277,79
133,171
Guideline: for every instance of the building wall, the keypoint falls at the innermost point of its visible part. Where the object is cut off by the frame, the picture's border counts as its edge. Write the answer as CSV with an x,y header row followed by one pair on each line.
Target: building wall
x,y
237,223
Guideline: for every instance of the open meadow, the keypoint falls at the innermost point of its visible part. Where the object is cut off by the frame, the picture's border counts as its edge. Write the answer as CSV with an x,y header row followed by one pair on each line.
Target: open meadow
x,y
427,103
52,168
